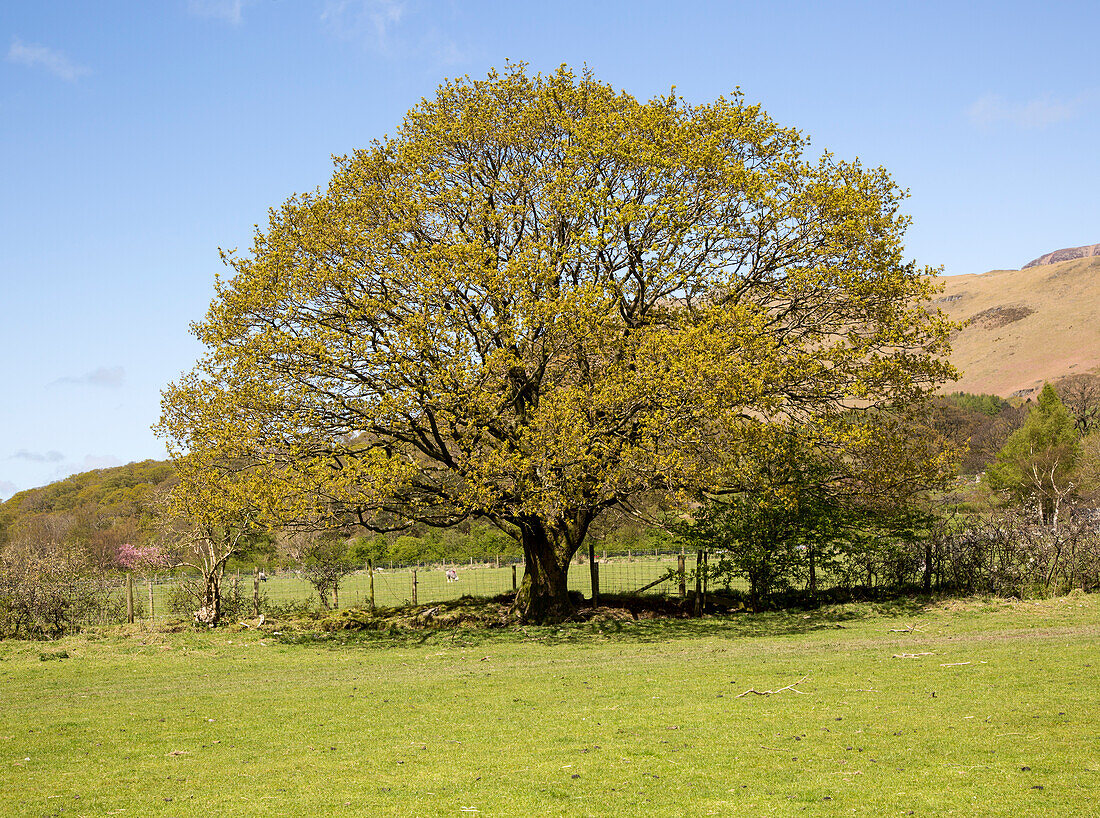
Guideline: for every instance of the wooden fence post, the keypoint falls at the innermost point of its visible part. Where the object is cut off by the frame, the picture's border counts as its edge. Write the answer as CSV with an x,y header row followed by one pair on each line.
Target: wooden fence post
x,y
682,571
370,568
699,582
151,614
256,591
706,571
514,586
414,586
130,598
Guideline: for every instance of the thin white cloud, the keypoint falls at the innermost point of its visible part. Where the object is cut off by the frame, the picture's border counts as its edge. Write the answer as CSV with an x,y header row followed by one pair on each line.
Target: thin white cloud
x,y
374,21
445,50
38,457
396,29
89,462
51,60
7,489
98,461
228,11
108,377
1041,112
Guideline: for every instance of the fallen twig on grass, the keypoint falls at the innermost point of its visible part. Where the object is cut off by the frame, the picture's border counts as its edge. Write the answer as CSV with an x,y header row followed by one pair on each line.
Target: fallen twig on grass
x,y
907,629
912,655
790,687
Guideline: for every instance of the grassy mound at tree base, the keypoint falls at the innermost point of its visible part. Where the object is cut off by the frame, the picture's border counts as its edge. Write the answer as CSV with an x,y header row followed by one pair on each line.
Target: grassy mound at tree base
x,y
497,612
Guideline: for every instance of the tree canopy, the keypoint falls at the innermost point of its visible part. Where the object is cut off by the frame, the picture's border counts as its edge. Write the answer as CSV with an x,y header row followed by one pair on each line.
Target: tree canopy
x,y
542,298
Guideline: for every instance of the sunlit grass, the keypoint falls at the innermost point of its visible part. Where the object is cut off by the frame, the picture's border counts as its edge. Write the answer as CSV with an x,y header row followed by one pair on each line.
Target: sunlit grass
x,y
995,713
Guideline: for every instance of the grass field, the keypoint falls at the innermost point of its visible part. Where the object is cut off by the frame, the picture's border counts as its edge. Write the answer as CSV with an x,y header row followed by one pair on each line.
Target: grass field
x,y
993,709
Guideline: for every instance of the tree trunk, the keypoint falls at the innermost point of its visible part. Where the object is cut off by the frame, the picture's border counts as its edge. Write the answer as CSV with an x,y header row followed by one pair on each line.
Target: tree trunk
x,y
755,595
211,611
543,594
811,553
594,568
1048,512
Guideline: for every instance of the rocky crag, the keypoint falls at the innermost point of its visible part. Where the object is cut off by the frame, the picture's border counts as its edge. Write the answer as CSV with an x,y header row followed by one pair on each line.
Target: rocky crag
x,y
1065,254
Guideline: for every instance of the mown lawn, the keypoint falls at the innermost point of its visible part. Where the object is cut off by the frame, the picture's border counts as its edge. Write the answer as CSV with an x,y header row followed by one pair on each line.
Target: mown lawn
x,y
994,710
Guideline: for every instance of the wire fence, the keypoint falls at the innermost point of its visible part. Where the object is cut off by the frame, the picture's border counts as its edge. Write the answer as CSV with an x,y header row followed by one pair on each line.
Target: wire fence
x,y
248,590
995,555
163,597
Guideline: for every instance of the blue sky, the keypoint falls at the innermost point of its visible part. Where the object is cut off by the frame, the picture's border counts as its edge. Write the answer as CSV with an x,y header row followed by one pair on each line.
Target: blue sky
x,y
136,138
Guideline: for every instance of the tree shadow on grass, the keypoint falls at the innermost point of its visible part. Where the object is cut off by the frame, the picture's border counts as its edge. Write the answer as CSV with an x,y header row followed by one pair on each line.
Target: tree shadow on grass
x,y
608,625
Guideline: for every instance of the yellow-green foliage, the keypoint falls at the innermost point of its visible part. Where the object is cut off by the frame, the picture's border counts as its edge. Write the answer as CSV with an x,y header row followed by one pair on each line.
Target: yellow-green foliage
x,y
542,297
120,497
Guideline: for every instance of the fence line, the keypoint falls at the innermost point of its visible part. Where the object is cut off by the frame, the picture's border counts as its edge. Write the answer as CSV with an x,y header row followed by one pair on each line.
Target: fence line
x,y
160,598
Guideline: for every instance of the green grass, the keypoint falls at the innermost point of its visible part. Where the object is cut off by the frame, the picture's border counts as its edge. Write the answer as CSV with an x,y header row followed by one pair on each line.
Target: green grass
x,y
611,718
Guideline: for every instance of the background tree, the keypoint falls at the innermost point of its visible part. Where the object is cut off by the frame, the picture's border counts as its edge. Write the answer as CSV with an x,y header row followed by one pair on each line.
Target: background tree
x,y
836,496
48,583
1038,460
1088,468
327,562
542,298
977,425
375,549
208,516
1081,396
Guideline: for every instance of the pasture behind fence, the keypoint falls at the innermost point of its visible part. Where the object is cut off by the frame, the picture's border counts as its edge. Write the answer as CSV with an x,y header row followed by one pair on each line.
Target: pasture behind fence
x,y
159,597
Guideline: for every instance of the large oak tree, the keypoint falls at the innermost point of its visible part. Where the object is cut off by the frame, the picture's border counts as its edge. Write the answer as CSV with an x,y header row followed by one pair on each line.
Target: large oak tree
x,y
541,298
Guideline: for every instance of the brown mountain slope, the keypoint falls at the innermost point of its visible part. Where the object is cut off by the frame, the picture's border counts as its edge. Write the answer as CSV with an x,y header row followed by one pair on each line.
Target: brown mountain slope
x,y
1024,326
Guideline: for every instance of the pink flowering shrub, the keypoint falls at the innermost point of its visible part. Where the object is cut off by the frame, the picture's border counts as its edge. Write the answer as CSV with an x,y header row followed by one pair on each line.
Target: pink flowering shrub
x,y
141,557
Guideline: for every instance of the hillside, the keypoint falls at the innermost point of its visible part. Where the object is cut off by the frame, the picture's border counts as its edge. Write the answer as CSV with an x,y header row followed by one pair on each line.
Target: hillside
x,y
99,500
1027,326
